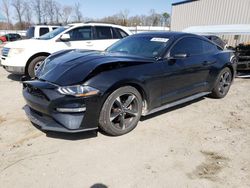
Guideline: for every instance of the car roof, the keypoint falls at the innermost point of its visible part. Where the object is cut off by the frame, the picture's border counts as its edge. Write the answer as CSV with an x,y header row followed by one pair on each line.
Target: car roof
x,y
126,29
91,23
94,23
45,26
166,34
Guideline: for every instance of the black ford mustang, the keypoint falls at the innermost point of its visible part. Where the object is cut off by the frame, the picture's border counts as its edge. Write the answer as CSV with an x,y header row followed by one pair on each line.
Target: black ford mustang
x,y
76,90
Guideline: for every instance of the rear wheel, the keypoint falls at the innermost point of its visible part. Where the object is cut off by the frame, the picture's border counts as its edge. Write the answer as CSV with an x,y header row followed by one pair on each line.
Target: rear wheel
x,y
121,111
222,84
34,65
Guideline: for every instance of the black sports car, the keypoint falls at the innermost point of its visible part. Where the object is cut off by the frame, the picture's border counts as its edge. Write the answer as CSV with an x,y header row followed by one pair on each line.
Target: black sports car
x,y
77,90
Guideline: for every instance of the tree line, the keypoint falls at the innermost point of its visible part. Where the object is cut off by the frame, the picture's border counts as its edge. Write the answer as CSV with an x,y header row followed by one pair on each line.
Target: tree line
x,y
29,12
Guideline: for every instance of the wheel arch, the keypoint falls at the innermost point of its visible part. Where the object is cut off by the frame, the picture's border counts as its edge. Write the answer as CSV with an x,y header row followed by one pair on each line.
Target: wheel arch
x,y
33,57
231,69
232,64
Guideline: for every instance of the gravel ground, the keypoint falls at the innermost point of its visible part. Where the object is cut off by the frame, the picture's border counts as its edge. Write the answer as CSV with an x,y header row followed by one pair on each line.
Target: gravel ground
x,y
202,144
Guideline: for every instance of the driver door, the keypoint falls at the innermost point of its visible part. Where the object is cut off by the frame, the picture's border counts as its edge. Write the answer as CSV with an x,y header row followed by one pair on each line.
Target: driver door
x,y
185,70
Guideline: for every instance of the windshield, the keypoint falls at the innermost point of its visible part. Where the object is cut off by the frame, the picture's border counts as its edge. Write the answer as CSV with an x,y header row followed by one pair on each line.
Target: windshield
x,y
53,33
146,46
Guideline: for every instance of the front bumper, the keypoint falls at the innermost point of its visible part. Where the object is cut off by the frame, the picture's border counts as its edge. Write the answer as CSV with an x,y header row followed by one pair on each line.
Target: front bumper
x,y
14,70
15,64
43,101
48,124
243,65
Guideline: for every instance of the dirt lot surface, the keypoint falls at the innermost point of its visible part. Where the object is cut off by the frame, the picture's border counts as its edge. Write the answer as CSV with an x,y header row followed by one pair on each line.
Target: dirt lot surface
x,y
202,144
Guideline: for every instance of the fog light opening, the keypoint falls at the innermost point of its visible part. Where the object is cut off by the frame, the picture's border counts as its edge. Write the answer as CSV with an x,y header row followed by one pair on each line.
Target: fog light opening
x,y
71,110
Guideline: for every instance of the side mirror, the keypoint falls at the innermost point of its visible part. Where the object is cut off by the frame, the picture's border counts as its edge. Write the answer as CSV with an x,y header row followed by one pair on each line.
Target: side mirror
x,y
65,37
175,57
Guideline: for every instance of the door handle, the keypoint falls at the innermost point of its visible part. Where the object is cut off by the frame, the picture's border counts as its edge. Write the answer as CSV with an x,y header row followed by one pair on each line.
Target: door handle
x,y
89,43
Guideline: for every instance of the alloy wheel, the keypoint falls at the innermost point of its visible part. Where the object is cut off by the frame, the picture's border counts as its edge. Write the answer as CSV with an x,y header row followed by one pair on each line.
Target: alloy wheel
x,y
38,64
225,82
124,111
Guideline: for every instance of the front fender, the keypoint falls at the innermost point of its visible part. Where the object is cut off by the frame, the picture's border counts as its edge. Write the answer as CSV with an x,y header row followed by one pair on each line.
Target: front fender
x,y
146,78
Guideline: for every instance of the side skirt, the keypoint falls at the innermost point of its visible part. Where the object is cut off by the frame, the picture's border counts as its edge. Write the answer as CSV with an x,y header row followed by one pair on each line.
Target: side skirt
x,y
169,105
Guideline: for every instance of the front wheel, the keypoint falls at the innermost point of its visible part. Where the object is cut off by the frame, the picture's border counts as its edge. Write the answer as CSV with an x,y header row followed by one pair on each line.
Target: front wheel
x,y
121,111
34,65
222,84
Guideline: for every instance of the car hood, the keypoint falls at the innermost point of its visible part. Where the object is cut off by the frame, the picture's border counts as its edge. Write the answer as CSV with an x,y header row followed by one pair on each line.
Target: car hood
x,y
27,43
71,67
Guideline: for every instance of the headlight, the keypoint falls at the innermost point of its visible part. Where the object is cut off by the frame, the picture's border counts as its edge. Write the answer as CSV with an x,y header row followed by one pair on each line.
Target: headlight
x,y
78,91
15,51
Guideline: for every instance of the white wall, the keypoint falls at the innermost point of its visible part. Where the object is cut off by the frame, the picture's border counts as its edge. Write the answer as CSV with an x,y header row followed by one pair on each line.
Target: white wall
x,y
211,12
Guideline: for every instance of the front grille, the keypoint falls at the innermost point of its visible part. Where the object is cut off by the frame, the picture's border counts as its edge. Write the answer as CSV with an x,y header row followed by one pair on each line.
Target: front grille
x,y
5,52
242,66
36,92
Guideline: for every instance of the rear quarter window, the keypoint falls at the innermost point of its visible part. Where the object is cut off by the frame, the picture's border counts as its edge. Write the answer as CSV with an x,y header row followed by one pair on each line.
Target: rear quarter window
x,y
193,46
119,33
122,33
209,47
188,45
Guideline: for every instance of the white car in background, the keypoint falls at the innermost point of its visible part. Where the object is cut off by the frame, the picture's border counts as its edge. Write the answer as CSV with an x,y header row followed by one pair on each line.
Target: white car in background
x,y
39,30
25,57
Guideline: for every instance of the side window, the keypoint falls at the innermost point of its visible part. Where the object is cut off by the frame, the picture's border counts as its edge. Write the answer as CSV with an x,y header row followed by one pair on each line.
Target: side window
x,y
189,45
208,47
122,33
43,30
116,34
119,33
81,33
103,32
53,28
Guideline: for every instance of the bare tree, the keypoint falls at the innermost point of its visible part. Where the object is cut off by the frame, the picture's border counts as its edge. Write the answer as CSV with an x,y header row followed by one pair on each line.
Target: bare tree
x,y
135,21
6,10
116,19
58,11
50,10
27,13
77,12
154,18
66,12
37,5
44,11
124,17
19,9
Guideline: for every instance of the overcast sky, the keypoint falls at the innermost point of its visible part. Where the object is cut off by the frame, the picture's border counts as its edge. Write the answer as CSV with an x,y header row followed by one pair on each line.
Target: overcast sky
x,y
102,8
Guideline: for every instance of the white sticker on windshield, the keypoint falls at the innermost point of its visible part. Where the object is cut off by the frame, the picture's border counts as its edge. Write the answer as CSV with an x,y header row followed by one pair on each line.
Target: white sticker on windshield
x,y
159,39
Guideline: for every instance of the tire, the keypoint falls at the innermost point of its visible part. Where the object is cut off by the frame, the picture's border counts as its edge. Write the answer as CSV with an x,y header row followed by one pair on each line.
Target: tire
x,y
222,84
34,64
121,111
